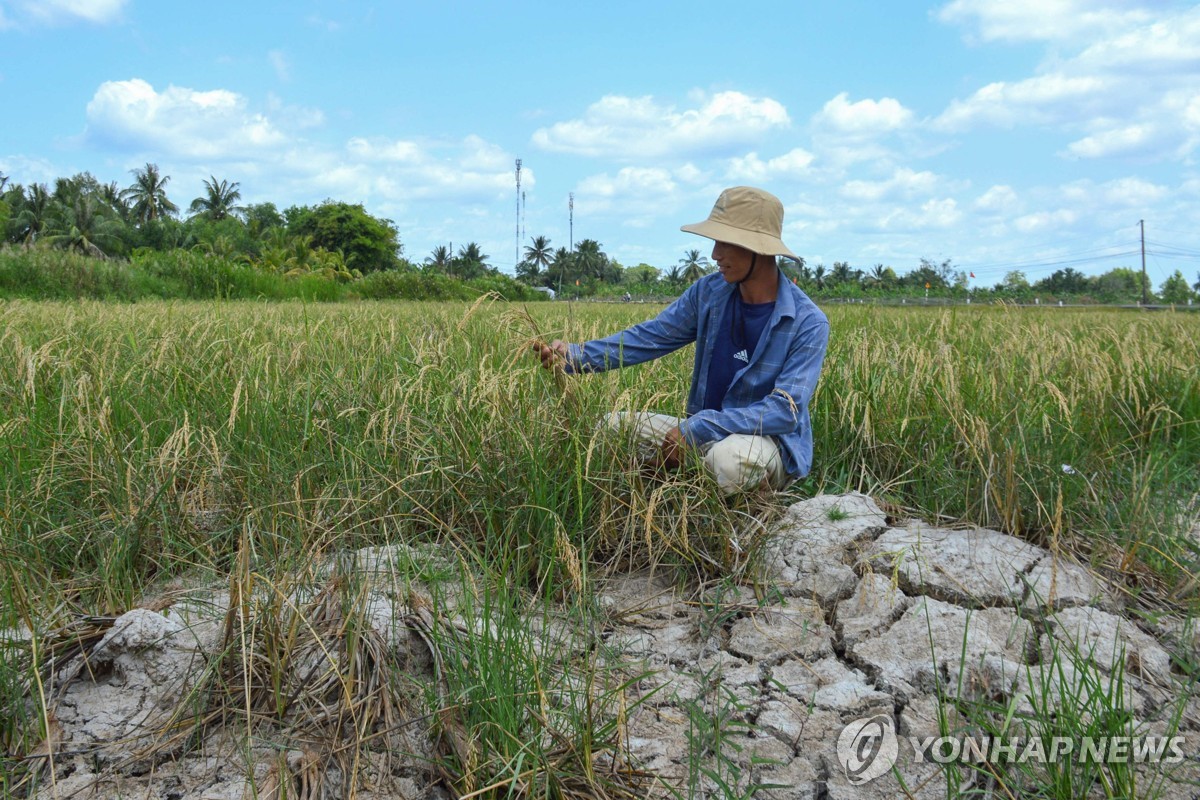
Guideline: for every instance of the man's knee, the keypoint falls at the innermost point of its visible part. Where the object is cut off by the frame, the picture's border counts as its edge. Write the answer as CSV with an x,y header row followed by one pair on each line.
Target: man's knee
x,y
741,462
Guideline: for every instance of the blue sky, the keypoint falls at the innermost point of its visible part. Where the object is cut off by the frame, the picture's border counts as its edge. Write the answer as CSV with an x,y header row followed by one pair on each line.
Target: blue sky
x,y
1000,134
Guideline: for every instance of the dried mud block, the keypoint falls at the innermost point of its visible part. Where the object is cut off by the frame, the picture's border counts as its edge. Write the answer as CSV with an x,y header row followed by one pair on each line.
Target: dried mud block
x,y
974,567
795,631
933,643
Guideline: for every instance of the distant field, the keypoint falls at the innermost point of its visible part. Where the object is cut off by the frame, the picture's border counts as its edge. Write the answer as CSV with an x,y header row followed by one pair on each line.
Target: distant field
x,y
143,441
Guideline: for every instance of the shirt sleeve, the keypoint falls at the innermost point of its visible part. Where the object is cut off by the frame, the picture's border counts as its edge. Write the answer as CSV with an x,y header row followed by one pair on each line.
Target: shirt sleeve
x,y
672,329
782,410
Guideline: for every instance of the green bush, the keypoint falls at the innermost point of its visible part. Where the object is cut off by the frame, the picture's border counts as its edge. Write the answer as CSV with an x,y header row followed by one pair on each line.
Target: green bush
x,y
44,274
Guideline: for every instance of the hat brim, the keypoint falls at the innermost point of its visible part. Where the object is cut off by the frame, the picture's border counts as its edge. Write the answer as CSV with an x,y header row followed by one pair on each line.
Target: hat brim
x,y
761,243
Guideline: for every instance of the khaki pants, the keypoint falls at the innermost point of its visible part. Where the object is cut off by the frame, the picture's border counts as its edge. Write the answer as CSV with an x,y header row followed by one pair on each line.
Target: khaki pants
x,y
739,461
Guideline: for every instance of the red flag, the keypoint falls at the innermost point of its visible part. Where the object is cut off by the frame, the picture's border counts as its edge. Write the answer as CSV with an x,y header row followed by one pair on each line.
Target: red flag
x,y
794,282
972,274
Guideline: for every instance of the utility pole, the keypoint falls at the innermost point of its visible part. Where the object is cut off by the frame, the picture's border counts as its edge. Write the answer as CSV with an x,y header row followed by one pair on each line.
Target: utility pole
x,y
517,249
1142,225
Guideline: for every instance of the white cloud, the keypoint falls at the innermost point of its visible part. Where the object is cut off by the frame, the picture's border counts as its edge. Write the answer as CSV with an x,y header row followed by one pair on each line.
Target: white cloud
x,y
904,183
1041,99
61,12
997,200
940,213
1114,141
628,181
623,128
752,168
1165,46
637,196
1042,20
384,150
131,115
1126,90
1043,221
864,118
483,156
191,133
279,62
1121,193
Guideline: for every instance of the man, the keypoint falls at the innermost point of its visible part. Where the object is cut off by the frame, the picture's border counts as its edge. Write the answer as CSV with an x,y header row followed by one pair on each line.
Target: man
x,y
760,342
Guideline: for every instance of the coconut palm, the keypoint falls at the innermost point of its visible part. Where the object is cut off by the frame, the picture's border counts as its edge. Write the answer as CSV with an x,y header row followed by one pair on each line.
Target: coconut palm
x,y
84,228
562,263
219,201
539,253
819,276
471,261
149,195
589,258
36,215
694,266
674,276
842,273
440,258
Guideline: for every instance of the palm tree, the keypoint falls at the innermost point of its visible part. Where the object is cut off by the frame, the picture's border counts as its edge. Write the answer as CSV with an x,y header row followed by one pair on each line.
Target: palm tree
x,y
819,276
471,261
841,273
440,258
85,228
695,266
36,215
219,201
675,276
562,262
589,258
539,252
149,195
110,193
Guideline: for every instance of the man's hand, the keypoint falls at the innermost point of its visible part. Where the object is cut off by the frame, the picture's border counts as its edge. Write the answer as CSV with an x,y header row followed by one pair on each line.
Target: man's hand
x,y
672,449
553,355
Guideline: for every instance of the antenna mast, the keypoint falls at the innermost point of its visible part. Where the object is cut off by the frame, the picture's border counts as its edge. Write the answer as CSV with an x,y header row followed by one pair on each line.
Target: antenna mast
x,y
1142,225
517,248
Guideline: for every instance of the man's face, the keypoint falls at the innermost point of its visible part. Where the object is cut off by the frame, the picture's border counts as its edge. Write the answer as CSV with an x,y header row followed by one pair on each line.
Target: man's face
x,y
733,261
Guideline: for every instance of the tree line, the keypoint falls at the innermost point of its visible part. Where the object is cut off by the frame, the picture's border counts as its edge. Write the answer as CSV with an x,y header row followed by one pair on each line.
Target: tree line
x,y
343,243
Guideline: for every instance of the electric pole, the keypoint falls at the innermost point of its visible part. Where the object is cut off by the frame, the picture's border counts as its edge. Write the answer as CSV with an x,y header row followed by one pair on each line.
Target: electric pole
x,y
1142,225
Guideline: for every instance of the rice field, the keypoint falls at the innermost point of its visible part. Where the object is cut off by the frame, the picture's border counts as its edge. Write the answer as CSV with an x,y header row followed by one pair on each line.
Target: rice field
x,y
151,442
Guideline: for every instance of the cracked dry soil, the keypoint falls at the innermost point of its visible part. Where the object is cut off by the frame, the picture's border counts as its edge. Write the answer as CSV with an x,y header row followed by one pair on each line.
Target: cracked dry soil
x,y
861,618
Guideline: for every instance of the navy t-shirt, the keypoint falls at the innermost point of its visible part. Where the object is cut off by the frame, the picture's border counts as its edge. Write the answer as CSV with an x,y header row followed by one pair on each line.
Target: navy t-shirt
x,y
742,326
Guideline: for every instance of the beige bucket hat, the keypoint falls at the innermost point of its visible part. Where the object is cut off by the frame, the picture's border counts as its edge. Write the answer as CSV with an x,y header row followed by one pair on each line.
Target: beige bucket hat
x,y
747,217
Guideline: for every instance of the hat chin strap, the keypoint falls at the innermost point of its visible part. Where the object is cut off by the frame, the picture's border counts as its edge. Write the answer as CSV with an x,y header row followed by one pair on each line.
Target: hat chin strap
x,y
753,264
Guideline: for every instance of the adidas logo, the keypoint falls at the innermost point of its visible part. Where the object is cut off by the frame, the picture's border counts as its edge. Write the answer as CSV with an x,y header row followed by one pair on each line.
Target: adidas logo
x,y
741,355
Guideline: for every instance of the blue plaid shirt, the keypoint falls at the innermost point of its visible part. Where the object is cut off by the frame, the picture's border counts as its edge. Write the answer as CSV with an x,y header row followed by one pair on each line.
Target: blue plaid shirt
x,y
767,397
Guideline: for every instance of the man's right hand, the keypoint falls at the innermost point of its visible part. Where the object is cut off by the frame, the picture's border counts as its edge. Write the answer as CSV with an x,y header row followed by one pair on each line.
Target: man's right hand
x,y
553,355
